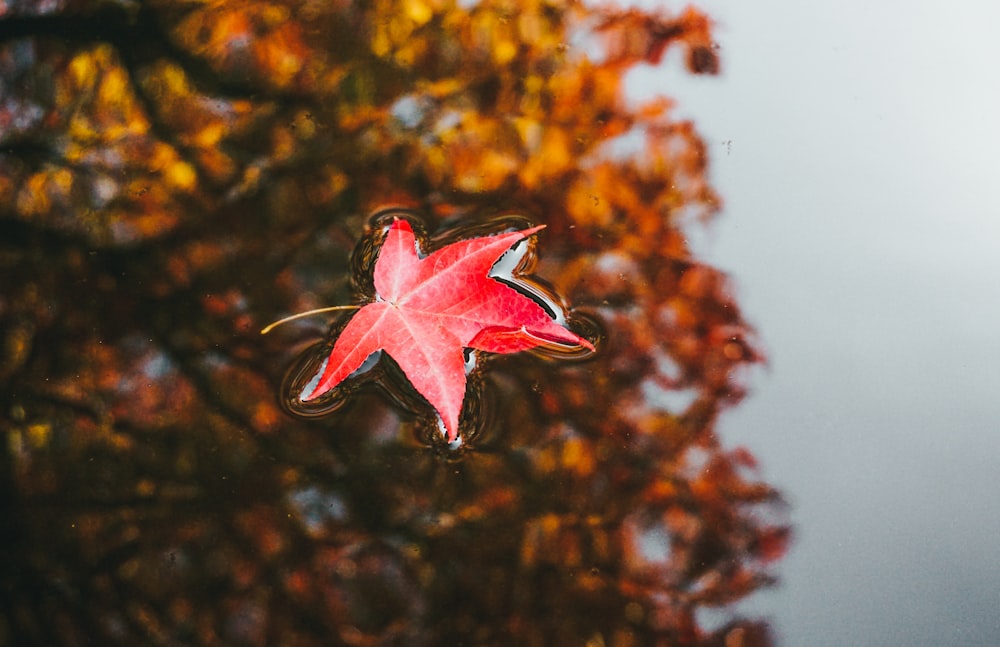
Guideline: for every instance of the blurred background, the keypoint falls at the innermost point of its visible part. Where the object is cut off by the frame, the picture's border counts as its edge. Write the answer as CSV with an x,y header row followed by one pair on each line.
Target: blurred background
x,y
854,144
176,175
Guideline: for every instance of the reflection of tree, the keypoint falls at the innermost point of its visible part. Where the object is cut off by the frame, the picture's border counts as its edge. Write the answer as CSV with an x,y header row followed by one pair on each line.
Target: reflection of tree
x,y
174,174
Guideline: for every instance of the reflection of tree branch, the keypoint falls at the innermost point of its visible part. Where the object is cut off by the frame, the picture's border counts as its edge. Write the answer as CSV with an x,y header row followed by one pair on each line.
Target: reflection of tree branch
x,y
40,589
136,32
212,399
30,150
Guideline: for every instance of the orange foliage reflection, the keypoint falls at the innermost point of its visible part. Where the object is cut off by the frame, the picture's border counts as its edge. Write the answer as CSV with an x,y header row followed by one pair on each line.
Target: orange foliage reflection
x,y
173,175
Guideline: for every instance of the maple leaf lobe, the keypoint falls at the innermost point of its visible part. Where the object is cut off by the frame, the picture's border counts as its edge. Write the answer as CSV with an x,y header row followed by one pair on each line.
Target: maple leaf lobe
x,y
429,310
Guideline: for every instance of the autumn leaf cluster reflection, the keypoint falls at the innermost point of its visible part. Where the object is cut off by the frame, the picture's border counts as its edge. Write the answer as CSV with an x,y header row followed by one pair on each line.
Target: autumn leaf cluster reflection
x,y
173,175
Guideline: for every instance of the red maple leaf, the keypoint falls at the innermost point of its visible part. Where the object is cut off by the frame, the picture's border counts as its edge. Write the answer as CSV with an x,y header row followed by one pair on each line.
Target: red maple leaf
x,y
427,311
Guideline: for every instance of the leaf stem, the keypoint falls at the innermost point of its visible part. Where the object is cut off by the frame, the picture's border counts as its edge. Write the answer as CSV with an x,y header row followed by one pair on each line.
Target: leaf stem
x,y
308,313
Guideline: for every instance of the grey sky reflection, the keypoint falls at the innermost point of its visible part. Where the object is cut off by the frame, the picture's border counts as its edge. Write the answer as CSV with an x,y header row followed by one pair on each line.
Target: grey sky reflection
x,y
855,145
